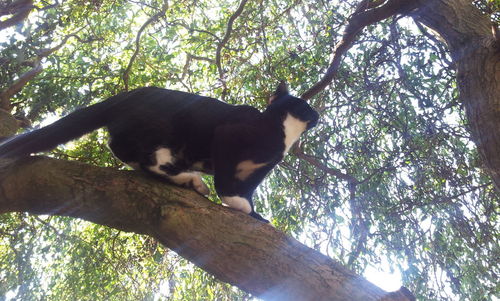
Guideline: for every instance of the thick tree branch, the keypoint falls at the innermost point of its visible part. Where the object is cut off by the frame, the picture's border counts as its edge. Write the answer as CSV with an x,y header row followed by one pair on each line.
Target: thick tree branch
x,y
8,124
228,244
367,13
19,9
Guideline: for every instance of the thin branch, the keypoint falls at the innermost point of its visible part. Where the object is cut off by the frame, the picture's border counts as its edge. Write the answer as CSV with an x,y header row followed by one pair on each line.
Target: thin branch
x,y
189,58
359,227
366,13
200,58
191,29
154,18
223,42
297,151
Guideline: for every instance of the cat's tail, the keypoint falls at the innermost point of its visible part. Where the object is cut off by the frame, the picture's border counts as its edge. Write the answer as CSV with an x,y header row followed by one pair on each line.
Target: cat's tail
x,y
72,126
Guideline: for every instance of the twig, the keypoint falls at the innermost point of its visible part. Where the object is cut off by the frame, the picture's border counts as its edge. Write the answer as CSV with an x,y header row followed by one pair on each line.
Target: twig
x,y
332,171
200,58
191,29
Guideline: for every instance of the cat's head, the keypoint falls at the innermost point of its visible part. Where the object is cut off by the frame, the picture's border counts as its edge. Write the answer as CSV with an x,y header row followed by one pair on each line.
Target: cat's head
x,y
281,101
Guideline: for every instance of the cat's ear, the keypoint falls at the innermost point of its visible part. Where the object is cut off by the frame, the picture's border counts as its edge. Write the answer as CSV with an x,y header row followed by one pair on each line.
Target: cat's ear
x,y
280,91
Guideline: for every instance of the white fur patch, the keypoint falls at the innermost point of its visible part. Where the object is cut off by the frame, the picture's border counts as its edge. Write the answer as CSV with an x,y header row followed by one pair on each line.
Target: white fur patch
x,y
163,156
245,168
191,177
293,128
237,202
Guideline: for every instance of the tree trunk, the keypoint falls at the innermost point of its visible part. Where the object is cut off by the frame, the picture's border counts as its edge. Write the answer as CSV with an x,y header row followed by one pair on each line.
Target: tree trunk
x,y
475,49
228,244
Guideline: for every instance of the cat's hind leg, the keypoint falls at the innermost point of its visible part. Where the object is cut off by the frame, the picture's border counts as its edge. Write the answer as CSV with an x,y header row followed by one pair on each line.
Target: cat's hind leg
x,y
164,164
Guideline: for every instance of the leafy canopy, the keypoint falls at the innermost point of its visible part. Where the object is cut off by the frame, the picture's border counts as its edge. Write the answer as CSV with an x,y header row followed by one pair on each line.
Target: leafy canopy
x,y
389,179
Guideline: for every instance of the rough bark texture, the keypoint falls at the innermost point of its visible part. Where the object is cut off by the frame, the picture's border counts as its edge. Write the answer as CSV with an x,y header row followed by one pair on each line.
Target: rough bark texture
x,y
231,245
476,53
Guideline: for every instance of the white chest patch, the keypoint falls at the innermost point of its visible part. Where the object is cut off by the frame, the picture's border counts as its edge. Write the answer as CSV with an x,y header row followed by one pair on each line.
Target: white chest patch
x,y
293,128
163,156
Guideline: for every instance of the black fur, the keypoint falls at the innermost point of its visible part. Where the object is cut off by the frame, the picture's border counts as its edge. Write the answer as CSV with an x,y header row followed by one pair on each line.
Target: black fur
x,y
201,133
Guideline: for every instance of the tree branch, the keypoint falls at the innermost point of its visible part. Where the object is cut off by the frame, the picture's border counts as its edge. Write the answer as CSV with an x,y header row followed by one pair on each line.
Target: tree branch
x,y
228,244
19,9
366,13
223,42
297,151
474,50
36,69
18,85
153,18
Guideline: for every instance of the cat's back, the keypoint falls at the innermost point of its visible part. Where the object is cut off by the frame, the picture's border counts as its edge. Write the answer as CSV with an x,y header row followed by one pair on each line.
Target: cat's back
x,y
154,100
175,110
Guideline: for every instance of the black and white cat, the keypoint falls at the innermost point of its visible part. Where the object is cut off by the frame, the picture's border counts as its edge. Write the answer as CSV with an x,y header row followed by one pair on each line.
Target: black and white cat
x,y
177,135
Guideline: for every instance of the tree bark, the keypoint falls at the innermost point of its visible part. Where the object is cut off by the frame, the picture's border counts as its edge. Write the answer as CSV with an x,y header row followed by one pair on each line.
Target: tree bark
x,y
20,10
228,244
475,49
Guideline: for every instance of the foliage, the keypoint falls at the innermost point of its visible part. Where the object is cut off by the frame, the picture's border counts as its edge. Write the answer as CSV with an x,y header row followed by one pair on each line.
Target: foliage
x,y
389,175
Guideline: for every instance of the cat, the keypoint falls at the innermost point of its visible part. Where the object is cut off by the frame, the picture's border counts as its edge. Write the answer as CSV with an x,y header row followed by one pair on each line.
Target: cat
x,y
177,135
